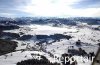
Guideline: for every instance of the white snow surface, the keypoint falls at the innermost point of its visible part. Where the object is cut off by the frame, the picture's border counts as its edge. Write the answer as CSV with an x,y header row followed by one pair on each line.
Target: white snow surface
x,y
83,33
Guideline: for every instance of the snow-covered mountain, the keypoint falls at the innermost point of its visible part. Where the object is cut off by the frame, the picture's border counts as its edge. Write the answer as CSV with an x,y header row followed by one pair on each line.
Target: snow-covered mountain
x,y
52,38
54,21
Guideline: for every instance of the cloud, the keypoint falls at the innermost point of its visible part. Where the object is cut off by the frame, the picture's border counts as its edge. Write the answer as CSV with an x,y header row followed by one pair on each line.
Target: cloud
x,y
87,4
12,7
13,3
55,8
7,15
60,8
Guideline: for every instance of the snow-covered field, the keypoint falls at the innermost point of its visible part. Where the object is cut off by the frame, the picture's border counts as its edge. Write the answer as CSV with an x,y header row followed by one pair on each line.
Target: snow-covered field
x,y
82,32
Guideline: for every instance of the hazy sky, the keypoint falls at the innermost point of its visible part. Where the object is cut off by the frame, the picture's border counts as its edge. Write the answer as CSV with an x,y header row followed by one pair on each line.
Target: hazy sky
x,y
59,8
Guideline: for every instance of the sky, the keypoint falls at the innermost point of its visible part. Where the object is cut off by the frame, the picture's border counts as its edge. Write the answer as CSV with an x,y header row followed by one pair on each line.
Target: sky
x,y
50,8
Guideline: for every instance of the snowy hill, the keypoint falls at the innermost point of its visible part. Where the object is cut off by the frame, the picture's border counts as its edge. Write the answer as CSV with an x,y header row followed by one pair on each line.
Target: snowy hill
x,y
52,41
53,21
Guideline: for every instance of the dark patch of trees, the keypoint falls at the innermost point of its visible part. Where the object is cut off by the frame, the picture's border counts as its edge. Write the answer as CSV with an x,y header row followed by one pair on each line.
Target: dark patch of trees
x,y
8,27
82,52
7,46
73,51
54,37
96,28
98,44
25,37
91,55
78,43
42,61
8,35
79,52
